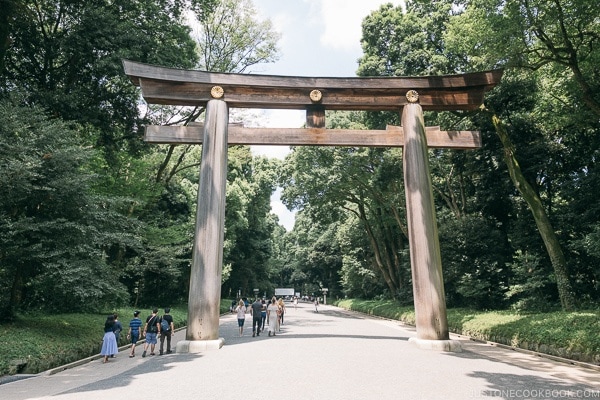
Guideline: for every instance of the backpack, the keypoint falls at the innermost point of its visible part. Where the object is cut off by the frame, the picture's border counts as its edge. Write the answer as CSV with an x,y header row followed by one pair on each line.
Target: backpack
x,y
152,324
165,325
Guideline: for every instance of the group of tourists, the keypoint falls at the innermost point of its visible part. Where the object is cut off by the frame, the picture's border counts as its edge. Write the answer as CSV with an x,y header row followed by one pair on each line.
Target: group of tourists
x,y
155,326
272,314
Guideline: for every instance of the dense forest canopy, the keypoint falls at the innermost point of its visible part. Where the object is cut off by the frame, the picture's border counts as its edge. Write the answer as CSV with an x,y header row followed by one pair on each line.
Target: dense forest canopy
x,y
91,217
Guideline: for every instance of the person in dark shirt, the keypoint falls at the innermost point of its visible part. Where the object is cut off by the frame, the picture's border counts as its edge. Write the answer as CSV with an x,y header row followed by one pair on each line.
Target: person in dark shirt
x,y
263,315
151,330
168,333
255,311
117,328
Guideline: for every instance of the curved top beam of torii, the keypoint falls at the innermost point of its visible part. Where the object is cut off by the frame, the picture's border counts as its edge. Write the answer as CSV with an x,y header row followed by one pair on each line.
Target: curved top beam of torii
x,y
170,86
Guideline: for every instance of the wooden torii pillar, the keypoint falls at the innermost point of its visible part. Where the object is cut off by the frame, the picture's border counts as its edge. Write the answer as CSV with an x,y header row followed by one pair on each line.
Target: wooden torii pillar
x,y
219,91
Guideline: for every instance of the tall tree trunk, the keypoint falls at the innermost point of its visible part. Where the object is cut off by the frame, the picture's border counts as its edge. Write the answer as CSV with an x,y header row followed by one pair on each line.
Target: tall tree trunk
x,y
389,279
542,221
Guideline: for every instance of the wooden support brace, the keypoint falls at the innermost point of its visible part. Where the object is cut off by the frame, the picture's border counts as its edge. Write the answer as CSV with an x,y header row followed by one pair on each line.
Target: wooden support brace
x,y
315,117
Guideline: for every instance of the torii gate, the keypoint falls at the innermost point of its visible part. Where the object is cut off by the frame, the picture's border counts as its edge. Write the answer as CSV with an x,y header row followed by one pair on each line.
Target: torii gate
x,y
219,91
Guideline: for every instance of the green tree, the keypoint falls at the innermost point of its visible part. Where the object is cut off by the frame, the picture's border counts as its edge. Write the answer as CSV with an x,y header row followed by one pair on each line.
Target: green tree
x,y
66,56
229,38
55,231
249,222
554,41
232,38
364,182
534,34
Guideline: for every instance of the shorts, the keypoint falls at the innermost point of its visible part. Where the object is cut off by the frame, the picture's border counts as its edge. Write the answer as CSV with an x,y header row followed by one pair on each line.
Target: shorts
x,y
151,337
241,322
135,336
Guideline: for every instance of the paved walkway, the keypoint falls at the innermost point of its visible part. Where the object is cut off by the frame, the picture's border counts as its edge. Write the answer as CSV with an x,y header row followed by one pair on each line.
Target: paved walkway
x,y
333,354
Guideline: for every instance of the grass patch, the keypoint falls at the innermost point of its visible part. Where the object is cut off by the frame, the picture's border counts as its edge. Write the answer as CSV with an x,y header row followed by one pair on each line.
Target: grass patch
x,y
33,343
572,335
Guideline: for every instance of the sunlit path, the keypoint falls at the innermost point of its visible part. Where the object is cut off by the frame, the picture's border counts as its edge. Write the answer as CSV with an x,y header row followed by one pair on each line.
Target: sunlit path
x,y
332,354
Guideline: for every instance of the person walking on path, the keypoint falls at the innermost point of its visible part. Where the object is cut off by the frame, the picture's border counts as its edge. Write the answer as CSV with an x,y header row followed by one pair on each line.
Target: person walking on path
x,y
151,330
117,328
255,312
316,304
272,311
282,311
263,314
241,315
109,342
166,330
135,325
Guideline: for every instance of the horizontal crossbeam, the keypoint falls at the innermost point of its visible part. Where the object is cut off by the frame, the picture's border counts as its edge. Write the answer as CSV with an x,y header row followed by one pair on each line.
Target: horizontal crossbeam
x,y
172,86
393,136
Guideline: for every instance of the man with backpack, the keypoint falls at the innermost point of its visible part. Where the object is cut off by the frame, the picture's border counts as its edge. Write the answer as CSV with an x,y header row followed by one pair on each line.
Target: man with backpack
x,y
166,330
151,330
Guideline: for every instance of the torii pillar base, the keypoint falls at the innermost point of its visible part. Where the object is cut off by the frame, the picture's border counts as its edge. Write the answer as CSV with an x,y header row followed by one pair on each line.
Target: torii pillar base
x,y
198,346
438,345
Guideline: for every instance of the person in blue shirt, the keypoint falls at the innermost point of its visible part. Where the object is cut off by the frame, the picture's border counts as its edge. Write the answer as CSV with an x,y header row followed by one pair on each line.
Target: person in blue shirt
x,y
135,326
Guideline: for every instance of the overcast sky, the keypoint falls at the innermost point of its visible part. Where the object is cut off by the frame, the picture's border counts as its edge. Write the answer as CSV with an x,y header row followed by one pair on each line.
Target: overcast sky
x,y
319,38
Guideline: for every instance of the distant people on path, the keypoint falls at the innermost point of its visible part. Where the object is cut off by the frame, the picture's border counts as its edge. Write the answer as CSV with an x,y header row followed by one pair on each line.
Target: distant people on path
x,y
166,331
135,326
255,312
109,342
316,304
151,332
263,314
295,302
272,317
233,306
241,315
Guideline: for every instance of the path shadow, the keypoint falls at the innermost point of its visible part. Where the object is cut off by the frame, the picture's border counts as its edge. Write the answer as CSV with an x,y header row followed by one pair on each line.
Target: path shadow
x,y
516,387
479,351
150,365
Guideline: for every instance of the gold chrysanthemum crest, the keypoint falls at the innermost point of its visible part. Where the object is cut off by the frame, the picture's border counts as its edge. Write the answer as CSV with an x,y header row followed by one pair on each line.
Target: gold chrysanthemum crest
x,y
217,92
412,96
316,95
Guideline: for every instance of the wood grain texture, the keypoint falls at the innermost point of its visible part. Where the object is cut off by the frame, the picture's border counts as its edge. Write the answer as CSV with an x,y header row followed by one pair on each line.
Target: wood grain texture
x,y
425,256
207,255
171,86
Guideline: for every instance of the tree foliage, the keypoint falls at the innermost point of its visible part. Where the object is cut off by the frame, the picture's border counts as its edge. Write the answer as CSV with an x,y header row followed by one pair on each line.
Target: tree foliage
x,y
66,56
56,230
512,214
96,218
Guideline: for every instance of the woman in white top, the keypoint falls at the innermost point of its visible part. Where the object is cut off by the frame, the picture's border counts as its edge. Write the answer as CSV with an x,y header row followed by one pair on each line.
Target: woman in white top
x,y
241,315
272,316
